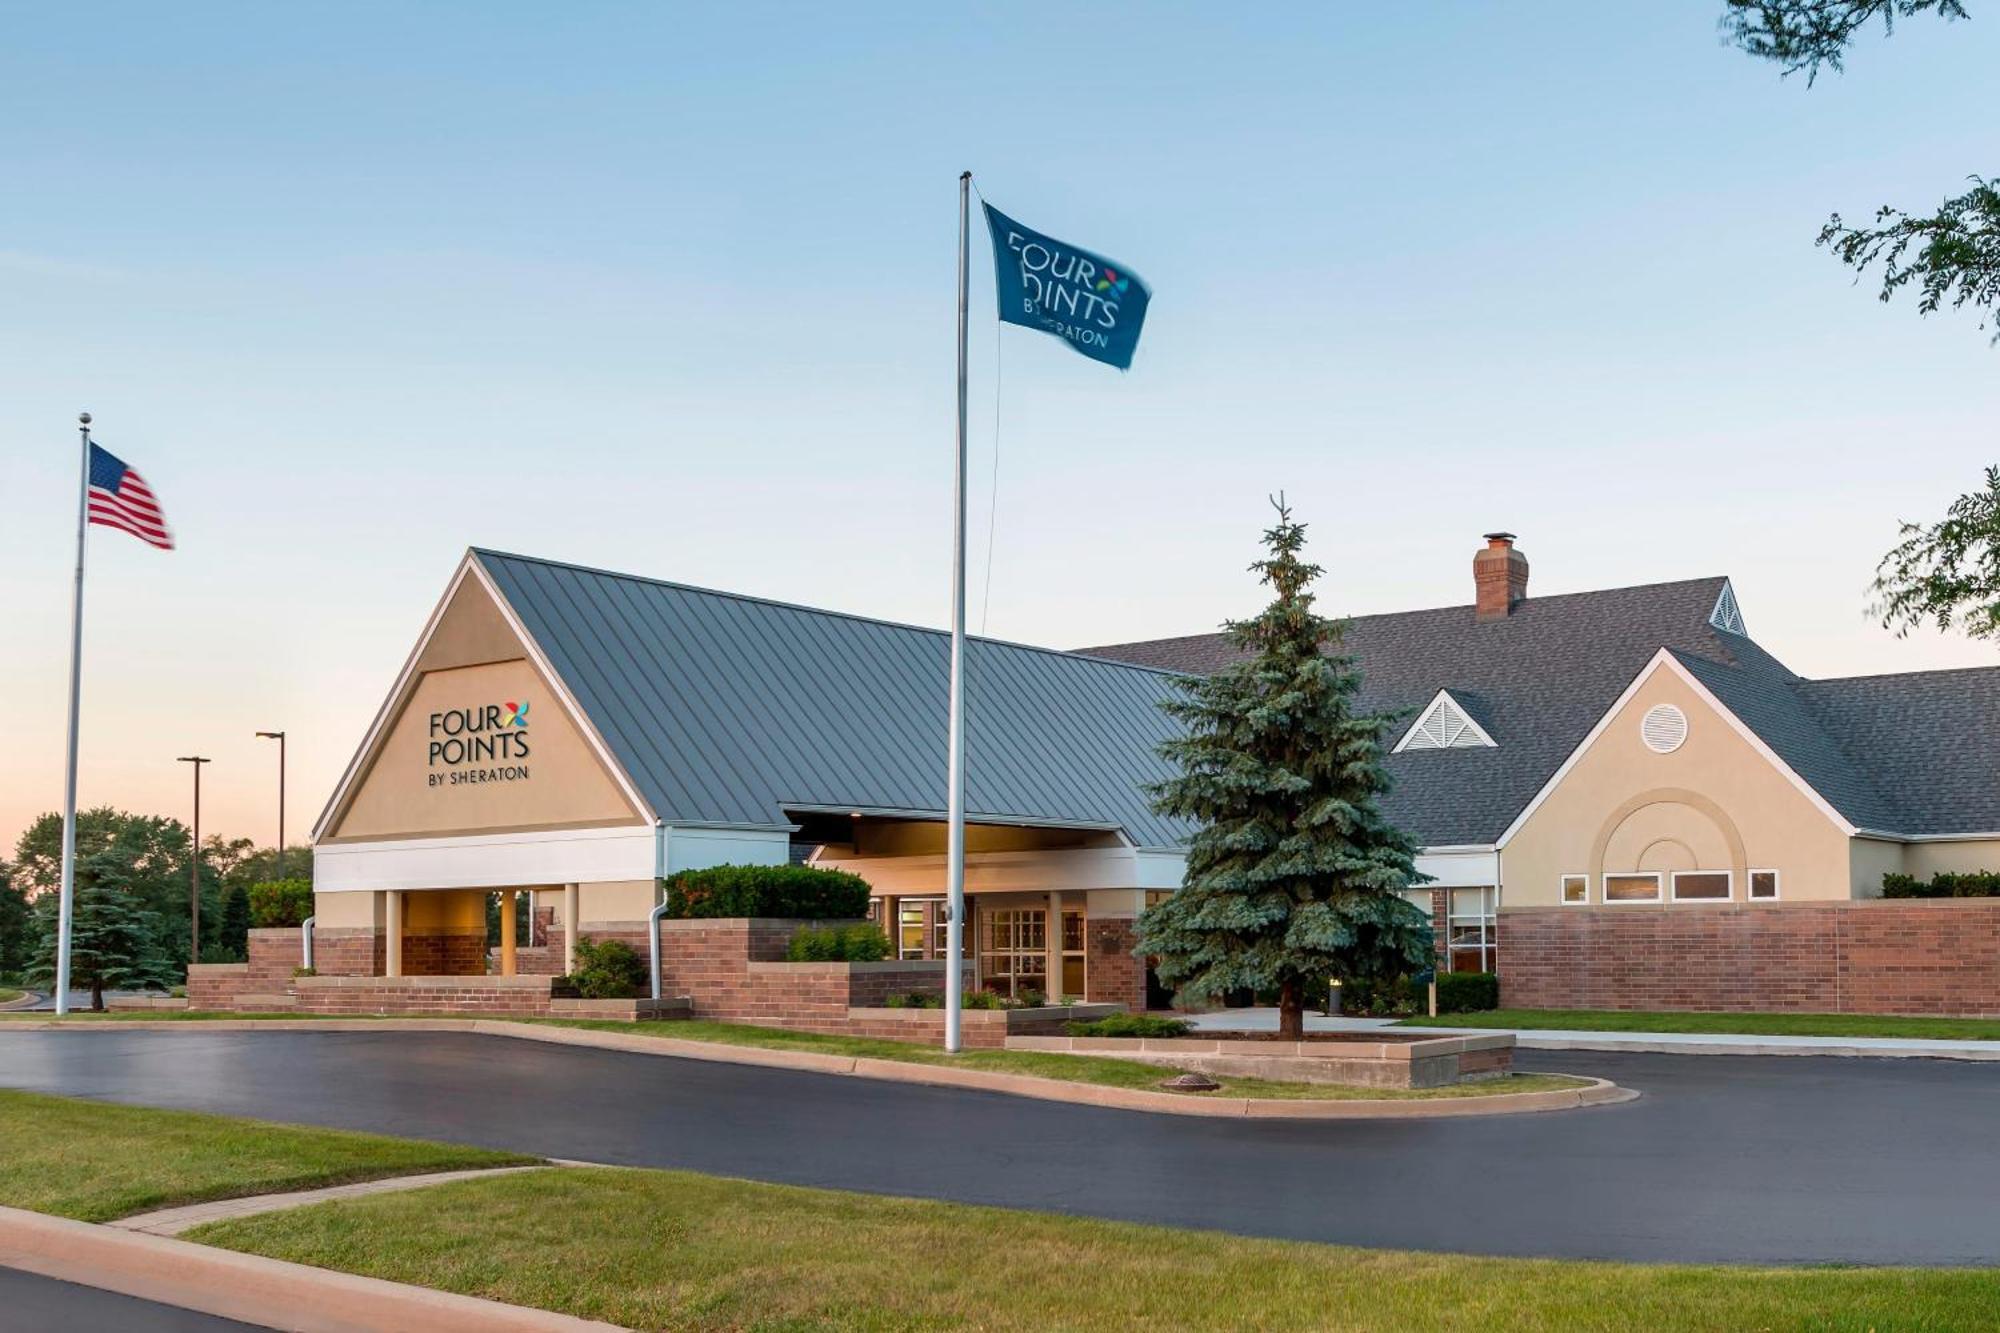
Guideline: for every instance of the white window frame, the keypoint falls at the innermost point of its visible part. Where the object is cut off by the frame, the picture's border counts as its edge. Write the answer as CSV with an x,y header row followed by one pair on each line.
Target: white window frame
x,y
1777,887
1659,888
1562,891
1728,877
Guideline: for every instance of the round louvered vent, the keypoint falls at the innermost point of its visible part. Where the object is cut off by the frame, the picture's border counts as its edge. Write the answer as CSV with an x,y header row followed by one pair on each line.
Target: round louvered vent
x,y
1663,728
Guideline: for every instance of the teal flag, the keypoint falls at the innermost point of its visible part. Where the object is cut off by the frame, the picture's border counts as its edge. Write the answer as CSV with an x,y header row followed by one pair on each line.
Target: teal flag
x,y
1095,305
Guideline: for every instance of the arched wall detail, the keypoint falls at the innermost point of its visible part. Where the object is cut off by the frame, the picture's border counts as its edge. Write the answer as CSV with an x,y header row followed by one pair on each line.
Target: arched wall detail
x,y
1739,864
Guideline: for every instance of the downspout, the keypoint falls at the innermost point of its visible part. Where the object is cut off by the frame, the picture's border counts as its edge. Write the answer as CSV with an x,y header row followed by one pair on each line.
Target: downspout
x,y
306,941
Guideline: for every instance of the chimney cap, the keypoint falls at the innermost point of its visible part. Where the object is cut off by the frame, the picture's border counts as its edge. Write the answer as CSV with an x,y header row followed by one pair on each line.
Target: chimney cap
x,y
1507,537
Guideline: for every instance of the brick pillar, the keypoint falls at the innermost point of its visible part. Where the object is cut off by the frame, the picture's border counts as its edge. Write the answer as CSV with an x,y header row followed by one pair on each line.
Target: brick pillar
x,y
1114,974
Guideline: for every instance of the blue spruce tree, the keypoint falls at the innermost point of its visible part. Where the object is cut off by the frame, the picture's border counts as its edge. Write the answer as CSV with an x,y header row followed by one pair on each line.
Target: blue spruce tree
x,y
1293,876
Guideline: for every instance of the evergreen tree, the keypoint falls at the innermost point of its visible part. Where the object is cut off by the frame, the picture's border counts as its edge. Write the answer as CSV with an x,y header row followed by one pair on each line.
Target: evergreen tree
x,y
235,933
15,924
113,944
1293,875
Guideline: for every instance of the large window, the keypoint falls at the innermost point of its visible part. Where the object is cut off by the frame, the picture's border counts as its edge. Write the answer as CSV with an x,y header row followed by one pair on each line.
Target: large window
x,y
1470,929
1632,888
922,932
1702,886
1014,955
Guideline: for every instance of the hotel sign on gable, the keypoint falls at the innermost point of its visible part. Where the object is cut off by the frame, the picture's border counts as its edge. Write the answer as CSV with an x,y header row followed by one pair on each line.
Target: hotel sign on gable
x,y
478,745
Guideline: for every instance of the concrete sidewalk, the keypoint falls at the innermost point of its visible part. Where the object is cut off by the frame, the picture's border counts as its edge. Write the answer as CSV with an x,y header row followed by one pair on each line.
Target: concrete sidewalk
x,y
1657,1043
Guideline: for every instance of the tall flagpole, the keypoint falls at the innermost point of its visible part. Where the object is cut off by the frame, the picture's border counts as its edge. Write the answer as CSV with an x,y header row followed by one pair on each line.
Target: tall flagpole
x,y
66,900
955,772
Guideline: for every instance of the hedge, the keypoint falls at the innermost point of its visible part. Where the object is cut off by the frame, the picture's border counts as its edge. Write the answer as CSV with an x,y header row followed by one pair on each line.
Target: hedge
x,y
607,970
798,892
1458,993
1132,1025
281,902
861,943
1467,992
1944,884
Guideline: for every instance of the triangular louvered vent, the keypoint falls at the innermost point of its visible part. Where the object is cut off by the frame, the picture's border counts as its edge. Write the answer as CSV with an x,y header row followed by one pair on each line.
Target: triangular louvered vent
x,y
1443,726
1726,616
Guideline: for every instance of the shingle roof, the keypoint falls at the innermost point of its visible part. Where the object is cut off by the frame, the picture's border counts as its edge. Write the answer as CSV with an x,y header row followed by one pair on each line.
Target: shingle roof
x,y
1539,680
1909,754
1929,736
728,709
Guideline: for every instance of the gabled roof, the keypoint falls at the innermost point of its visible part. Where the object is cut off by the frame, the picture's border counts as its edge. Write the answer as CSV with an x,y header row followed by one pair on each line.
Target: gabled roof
x,y
725,709
1909,755
1536,682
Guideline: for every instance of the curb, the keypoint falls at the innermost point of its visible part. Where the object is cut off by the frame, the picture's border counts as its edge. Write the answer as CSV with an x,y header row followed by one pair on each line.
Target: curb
x,y
1599,1092
29,999
1647,1045
246,1287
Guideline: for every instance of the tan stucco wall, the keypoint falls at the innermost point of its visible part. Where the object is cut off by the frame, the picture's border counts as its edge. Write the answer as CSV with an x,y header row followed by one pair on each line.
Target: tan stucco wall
x,y
1924,859
443,911
1715,801
361,911
470,631
565,787
1868,861
615,900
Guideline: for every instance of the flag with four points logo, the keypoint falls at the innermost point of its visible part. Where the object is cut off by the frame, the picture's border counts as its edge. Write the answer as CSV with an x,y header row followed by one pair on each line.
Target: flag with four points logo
x,y
1092,303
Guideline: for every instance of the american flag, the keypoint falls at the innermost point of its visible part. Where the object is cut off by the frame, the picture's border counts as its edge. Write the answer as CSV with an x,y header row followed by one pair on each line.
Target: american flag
x,y
120,498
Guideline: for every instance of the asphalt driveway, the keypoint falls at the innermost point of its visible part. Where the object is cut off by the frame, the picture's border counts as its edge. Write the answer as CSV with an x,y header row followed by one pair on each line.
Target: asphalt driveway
x,y
1726,1158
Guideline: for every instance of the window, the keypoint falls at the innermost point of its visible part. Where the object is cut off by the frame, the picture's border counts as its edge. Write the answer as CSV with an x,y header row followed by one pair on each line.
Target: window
x,y
1702,886
1469,930
1634,888
1014,956
1764,886
1664,728
1575,890
1444,725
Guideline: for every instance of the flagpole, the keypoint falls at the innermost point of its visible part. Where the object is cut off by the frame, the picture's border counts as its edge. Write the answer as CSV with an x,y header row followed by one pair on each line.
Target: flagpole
x,y
955,768
65,902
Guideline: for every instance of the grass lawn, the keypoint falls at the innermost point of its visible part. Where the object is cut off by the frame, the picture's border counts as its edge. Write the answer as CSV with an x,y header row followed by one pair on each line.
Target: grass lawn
x,y
674,1250
94,1161
9,996
1097,1069
1759,1025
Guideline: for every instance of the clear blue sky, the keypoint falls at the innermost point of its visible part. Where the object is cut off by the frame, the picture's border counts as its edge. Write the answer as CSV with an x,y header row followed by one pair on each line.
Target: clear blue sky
x,y
669,289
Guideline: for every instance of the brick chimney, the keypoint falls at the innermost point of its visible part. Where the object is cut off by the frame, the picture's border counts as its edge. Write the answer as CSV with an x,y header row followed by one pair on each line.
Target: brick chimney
x,y
1499,577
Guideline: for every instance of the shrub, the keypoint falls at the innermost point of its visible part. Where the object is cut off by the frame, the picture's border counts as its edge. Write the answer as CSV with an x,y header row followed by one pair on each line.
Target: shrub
x,y
915,1000
281,902
861,943
1132,1025
608,970
1467,992
1383,999
768,891
1944,884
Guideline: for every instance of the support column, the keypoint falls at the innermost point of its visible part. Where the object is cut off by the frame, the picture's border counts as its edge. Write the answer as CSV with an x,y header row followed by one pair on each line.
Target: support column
x,y
393,953
509,904
572,918
1052,949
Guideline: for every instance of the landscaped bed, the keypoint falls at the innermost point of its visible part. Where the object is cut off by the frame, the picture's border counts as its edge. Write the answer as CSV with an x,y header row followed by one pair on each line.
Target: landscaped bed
x,y
674,1250
1754,1025
93,1161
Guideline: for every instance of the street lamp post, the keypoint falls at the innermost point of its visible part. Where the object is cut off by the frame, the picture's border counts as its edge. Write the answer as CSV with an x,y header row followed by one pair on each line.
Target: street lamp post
x,y
279,737
194,865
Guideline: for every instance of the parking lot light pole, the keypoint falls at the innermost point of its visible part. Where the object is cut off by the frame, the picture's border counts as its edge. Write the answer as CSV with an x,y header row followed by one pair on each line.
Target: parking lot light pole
x,y
194,864
279,737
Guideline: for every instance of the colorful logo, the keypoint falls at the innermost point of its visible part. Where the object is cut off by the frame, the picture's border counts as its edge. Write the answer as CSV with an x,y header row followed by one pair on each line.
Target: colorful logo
x,y
1110,279
513,714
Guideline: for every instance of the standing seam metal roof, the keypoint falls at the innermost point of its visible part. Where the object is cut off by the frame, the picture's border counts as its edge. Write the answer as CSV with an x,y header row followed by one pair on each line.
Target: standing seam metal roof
x,y
728,710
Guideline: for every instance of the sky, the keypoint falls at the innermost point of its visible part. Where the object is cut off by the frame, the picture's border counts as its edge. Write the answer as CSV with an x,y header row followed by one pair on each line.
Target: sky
x,y
670,289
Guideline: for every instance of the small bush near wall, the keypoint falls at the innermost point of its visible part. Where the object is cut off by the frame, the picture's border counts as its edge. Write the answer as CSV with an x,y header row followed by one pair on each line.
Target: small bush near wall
x,y
281,902
1945,884
978,999
1467,992
838,944
768,891
1132,1025
1382,999
608,970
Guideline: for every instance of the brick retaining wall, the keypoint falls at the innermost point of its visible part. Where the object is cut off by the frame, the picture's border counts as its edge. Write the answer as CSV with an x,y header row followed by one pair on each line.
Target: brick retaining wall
x,y
1875,956
452,997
